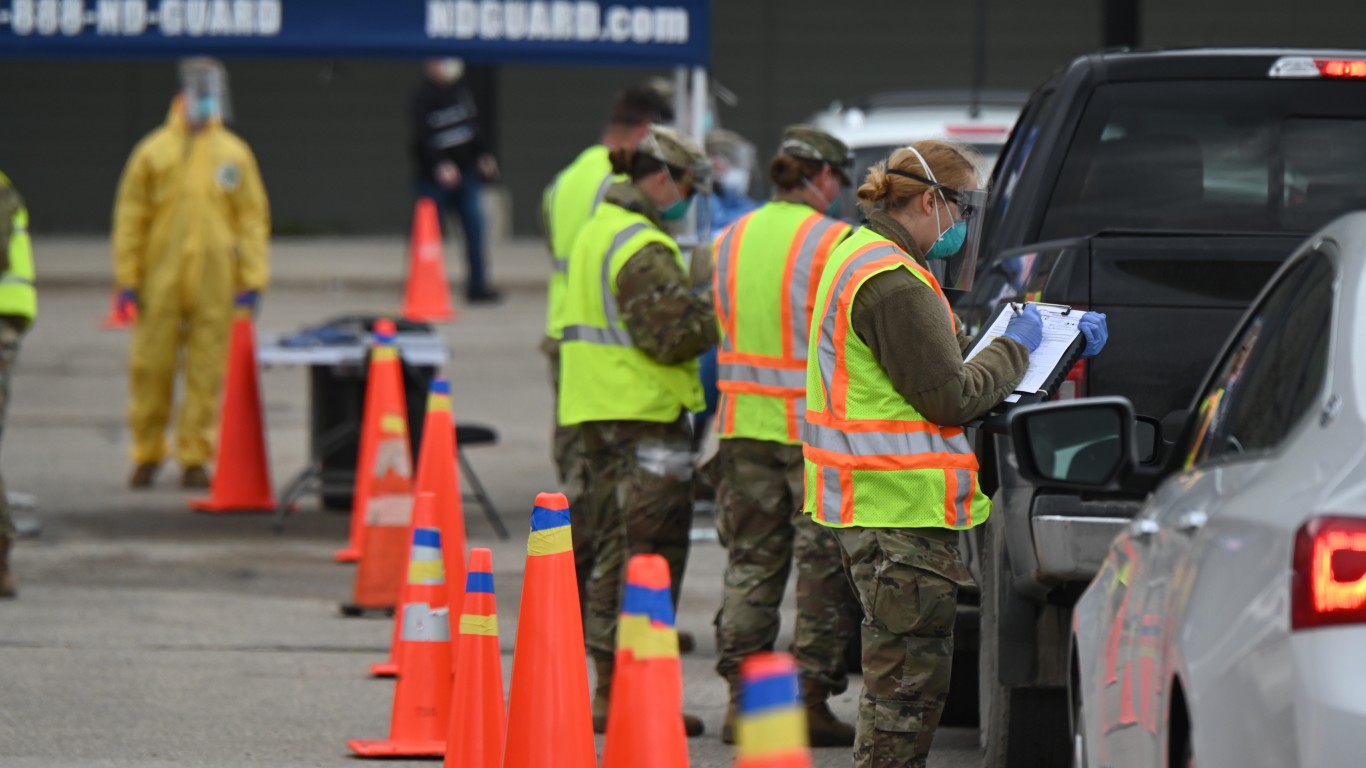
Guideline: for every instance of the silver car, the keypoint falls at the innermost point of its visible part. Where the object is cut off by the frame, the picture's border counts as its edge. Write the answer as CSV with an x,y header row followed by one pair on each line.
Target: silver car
x,y
1228,622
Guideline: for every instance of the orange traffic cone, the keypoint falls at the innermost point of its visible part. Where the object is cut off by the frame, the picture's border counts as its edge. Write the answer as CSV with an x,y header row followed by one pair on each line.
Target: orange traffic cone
x,y
645,722
478,721
384,402
117,318
436,474
241,480
422,698
427,295
771,724
424,516
548,718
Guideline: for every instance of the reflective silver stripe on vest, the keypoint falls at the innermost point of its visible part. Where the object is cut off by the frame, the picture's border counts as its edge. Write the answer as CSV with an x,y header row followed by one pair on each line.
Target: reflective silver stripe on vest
x,y
882,443
962,502
723,298
800,286
767,377
611,337
830,499
601,193
562,265
16,280
825,348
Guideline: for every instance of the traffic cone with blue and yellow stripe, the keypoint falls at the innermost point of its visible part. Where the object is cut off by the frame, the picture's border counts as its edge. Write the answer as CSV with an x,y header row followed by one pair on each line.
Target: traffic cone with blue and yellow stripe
x,y
478,719
548,717
771,727
645,721
422,697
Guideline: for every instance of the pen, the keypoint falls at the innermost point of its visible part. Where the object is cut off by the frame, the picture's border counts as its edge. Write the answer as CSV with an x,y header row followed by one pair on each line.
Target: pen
x,y
1015,308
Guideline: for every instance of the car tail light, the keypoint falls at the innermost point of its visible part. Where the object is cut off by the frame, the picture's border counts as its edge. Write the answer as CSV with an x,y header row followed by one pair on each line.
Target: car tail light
x,y
1329,581
1301,67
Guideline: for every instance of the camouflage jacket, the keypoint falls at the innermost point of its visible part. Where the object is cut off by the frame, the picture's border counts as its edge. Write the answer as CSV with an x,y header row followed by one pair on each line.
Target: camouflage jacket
x,y
902,321
669,319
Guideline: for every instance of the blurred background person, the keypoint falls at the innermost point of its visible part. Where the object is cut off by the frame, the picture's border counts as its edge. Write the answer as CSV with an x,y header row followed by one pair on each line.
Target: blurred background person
x,y
567,204
18,306
732,165
191,231
453,160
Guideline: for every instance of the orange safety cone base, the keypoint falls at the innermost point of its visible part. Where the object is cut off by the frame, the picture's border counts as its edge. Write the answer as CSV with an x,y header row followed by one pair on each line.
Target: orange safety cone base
x,y
397,748
384,669
348,555
797,758
218,507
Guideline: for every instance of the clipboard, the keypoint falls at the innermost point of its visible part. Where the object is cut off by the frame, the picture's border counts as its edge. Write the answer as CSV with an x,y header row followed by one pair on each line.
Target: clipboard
x,y
1049,365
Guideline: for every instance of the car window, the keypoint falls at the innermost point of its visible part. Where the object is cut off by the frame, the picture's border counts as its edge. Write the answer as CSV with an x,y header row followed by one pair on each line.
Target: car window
x,y
1266,156
1005,175
1275,371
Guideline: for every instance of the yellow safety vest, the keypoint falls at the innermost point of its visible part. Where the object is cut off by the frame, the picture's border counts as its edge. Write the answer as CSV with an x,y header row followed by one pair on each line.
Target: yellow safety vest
x,y
17,294
871,459
568,203
767,266
603,376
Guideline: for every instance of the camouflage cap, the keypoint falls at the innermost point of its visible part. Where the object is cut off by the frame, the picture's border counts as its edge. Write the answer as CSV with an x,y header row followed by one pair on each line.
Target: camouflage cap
x,y
672,147
731,146
814,144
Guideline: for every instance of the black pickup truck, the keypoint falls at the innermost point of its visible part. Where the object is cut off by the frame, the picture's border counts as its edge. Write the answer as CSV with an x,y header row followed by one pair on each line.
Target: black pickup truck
x,y
1162,188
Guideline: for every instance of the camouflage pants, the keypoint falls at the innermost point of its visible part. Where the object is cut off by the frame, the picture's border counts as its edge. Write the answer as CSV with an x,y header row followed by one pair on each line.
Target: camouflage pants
x,y
639,501
759,520
567,452
11,333
907,581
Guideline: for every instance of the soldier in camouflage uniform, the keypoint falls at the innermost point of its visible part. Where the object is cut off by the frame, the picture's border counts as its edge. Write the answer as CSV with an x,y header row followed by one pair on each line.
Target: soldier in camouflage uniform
x,y
766,267
17,307
628,383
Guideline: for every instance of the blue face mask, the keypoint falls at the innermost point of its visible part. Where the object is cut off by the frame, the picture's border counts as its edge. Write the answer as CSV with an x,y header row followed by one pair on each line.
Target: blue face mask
x,y
205,109
677,210
950,242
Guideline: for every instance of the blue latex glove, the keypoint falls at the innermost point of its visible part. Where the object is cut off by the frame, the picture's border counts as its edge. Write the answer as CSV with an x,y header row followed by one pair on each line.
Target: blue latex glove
x,y
128,304
1092,326
1026,328
247,300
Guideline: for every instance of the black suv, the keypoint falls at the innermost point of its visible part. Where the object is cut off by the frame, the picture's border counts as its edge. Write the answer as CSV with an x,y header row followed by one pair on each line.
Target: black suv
x,y
1163,188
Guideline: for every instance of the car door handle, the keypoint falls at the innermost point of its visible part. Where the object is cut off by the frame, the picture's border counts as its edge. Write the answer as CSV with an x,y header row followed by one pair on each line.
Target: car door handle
x,y
1143,527
1192,521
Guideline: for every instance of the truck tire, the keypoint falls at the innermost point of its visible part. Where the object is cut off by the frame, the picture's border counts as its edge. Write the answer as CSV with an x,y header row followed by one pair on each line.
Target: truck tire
x,y
1020,727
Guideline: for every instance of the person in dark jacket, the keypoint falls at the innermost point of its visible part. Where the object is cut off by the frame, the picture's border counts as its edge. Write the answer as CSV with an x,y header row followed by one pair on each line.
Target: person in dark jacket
x,y
453,160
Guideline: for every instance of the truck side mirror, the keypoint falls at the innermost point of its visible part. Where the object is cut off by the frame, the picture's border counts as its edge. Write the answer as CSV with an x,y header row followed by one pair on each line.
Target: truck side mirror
x,y
1147,440
1084,444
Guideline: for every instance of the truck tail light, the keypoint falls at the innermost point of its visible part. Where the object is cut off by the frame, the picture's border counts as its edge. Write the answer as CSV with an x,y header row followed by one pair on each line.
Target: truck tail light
x,y
1328,585
1074,386
1304,67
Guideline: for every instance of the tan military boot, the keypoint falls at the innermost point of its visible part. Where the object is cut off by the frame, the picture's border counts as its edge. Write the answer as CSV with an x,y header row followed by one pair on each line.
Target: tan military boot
x,y
7,588
824,729
728,727
602,693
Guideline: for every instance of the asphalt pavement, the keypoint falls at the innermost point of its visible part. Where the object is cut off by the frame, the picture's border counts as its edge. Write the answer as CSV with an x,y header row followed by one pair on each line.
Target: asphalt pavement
x,y
149,635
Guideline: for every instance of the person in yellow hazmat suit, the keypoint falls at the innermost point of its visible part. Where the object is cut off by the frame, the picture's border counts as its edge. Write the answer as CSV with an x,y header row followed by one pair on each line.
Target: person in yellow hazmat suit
x,y
191,230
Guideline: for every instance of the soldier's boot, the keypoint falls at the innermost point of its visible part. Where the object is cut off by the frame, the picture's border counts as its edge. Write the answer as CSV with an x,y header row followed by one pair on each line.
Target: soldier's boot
x,y
7,588
728,725
602,693
143,475
823,729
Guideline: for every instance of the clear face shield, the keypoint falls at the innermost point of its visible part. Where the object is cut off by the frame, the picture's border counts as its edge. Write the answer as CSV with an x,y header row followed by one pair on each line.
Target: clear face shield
x,y
204,86
957,271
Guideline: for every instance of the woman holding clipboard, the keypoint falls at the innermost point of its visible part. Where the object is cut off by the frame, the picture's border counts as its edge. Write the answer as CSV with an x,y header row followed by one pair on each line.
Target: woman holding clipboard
x,y
887,464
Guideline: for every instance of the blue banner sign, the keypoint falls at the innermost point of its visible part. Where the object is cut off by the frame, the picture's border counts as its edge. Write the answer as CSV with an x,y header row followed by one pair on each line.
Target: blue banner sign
x,y
632,32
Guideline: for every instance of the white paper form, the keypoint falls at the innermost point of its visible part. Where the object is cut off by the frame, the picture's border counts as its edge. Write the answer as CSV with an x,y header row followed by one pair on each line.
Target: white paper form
x,y
1059,331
